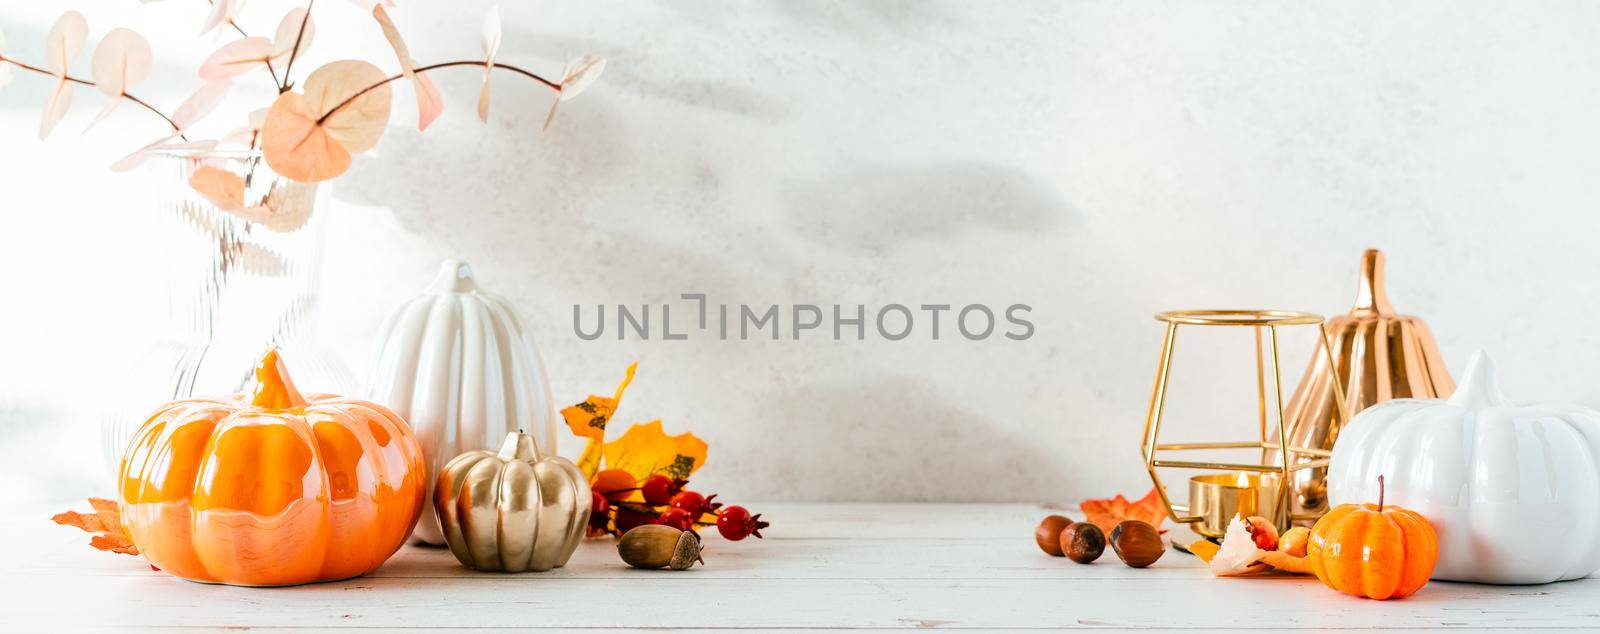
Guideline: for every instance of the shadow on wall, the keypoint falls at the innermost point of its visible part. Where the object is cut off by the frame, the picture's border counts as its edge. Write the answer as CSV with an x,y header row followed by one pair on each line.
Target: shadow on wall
x,y
900,440
870,208
610,206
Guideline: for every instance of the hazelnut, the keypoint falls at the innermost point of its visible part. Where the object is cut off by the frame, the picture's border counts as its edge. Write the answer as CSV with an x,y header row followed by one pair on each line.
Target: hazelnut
x,y
1083,542
1048,534
1294,541
1137,543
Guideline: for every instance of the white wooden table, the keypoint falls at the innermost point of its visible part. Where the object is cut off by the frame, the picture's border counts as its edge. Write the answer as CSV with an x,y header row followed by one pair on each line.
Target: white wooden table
x,y
822,566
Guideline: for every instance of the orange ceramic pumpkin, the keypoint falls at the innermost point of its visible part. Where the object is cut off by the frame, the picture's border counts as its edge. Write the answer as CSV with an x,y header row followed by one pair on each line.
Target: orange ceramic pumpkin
x,y
1373,551
271,488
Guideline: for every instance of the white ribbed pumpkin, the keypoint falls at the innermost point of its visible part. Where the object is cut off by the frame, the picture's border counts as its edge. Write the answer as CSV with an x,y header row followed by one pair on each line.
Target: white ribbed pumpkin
x,y
1513,491
455,363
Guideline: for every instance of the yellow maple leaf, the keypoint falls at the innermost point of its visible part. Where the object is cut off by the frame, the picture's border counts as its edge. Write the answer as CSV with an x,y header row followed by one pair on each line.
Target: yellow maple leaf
x,y
589,419
646,450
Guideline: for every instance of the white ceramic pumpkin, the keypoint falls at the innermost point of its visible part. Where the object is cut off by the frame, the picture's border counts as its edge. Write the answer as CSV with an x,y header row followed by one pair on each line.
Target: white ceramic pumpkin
x,y
456,364
1513,491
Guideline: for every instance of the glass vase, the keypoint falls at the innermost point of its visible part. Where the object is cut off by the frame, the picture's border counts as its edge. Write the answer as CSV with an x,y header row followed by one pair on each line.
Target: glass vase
x,y
240,276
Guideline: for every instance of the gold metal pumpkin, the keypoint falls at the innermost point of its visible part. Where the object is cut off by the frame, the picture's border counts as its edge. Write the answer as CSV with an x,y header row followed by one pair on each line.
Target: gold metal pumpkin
x,y
1378,355
512,511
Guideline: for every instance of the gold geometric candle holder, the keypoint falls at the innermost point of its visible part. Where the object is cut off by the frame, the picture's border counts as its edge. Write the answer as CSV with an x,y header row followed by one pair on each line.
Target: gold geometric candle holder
x,y
1253,487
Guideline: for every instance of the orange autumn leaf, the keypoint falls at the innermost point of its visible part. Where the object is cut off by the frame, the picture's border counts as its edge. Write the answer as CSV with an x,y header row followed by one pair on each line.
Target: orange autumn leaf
x,y
1107,513
104,522
223,188
646,450
310,137
589,418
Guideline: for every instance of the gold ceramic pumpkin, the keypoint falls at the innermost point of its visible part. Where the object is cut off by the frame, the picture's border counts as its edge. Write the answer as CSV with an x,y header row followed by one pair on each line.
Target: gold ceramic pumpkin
x,y
512,511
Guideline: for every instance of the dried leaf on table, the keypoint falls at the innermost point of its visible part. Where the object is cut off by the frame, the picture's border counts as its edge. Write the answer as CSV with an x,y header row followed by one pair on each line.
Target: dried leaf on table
x,y
1287,562
1238,555
646,450
1205,549
109,534
61,47
1107,513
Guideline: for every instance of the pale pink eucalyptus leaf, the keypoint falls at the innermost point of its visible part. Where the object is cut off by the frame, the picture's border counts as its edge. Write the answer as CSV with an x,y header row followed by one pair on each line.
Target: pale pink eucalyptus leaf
x,y
120,62
246,134
257,118
550,118
5,71
55,108
290,32
64,42
429,104
359,124
492,34
223,188
236,57
310,137
201,103
104,112
138,157
239,136
580,74
62,45
221,12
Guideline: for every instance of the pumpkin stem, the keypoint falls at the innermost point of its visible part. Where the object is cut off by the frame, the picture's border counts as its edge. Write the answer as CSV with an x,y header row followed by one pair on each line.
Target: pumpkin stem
x,y
455,276
519,446
273,389
1370,296
1380,494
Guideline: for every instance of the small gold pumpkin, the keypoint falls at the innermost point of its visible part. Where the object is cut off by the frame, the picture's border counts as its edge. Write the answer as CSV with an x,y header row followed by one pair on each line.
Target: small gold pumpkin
x,y
512,511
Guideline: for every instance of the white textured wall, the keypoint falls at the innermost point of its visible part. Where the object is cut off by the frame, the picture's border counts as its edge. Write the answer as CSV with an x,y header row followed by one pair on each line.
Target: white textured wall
x,y
1097,160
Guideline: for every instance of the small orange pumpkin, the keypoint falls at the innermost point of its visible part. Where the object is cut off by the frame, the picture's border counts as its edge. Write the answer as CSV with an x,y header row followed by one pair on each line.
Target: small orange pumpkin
x,y
1372,551
271,488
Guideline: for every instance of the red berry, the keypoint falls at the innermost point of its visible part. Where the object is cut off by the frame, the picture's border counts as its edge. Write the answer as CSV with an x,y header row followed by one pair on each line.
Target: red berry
x,y
736,523
628,520
599,511
677,518
658,489
691,502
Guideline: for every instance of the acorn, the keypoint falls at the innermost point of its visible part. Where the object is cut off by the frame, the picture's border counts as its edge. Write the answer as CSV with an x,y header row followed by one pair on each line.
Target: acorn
x,y
1048,534
1083,542
1137,543
654,546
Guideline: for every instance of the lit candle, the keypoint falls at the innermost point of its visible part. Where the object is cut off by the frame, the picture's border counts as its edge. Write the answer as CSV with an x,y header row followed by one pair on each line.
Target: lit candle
x,y
1215,499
